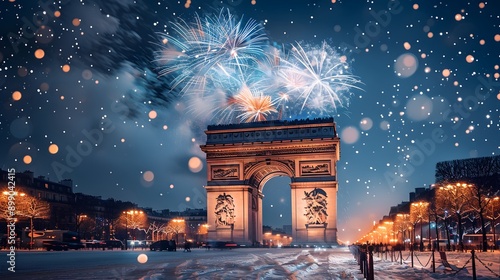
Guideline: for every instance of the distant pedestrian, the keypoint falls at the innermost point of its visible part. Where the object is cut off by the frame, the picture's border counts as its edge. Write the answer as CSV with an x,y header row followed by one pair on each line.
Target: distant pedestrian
x,y
187,246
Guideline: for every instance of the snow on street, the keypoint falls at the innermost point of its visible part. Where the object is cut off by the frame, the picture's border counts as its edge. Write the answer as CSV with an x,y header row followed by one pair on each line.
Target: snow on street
x,y
242,263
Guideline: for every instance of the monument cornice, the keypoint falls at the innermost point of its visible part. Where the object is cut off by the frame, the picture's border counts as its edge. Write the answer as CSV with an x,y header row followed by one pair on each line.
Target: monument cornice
x,y
270,151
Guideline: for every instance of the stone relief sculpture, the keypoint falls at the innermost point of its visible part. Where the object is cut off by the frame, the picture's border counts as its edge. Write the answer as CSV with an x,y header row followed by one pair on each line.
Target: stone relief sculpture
x,y
316,210
224,210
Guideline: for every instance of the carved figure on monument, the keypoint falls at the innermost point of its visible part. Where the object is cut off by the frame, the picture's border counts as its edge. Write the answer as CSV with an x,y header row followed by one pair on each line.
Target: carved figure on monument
x,y
316,210
224,210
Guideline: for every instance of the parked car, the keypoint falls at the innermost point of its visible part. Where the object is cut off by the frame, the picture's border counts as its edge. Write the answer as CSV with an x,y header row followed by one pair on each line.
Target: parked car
x,y
53,245
167,245
220,245
111,244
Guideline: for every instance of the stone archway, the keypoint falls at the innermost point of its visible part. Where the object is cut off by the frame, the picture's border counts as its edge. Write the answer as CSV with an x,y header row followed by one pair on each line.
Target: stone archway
x,y
241,158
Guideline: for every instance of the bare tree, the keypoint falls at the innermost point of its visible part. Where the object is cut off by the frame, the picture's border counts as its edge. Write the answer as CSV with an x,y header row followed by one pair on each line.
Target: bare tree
x,y
33,208
481,174
156,229
176,226
455,200
419,213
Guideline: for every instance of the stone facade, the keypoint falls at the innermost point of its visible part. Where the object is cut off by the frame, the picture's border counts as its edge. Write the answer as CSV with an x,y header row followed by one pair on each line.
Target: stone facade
x,y
242,158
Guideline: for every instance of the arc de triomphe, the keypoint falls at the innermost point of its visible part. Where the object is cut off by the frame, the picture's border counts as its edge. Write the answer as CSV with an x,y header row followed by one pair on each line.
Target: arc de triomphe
x,y
241,158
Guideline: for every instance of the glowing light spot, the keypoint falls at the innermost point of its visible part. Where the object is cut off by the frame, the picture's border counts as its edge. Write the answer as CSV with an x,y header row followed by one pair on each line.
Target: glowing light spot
x,y
496,75
27,159
148,176
407,46
481,5
366,124
188,199
423,55
44,87
142,258
195,164
66,68
498,96
152,114
430,34
39,53
171,186
482,42
497,37
427,70
455,83
415,6
76,21
384,125
446,73
165,127
254,2
343,59
16,95
469,58
458,17
22,71
496,67
418,108
406,65
62,97
53,149
122,140
350,135
57,13
87,74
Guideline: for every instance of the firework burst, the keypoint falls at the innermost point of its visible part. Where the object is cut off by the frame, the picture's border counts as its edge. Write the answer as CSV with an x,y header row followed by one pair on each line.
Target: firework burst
x,y
226,68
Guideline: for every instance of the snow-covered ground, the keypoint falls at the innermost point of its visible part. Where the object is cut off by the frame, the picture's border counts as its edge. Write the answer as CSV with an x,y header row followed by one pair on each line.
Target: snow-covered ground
x,y
241,263
336,263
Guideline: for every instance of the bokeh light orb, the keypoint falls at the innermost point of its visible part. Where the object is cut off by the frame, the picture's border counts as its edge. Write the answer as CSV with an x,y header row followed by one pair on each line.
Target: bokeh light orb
x,y
406,65
446,73
152,114
497,37
366,124
469,58
350,135
16,95
142,258
39,53
195,164
171,186
148,176
384,125
66,68
87,74
76,21
188,199
53,149
419,108
27,159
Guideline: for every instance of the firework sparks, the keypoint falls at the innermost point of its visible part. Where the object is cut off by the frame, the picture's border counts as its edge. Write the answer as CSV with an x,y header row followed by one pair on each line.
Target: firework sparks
x,y
219,58
254,106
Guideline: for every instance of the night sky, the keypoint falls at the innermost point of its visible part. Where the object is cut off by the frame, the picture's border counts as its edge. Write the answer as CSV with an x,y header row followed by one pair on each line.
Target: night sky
x,y
81,72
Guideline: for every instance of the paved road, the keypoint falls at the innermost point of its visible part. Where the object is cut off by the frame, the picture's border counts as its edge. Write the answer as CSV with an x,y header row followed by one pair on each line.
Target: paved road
x,y
241,263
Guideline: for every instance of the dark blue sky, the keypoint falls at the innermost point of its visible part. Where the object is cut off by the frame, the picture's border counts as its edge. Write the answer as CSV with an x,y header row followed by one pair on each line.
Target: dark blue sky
x,y
431,92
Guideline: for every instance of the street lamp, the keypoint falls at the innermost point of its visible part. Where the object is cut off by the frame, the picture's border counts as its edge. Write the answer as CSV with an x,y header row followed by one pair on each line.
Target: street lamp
x,y
126,213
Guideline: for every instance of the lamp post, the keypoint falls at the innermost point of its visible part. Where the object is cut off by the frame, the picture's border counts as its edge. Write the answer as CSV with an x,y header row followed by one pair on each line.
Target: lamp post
x,y
126,213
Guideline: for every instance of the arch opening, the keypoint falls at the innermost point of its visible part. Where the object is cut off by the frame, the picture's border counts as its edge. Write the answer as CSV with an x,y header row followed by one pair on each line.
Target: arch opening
x,y
277,211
